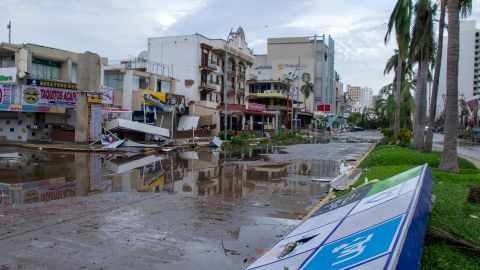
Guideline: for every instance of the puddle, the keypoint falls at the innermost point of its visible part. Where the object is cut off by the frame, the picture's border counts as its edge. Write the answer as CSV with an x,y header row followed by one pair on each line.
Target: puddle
x,y
41,176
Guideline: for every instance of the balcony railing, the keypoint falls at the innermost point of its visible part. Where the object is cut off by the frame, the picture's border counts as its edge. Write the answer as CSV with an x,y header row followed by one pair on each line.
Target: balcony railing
x,y
212,64
276,107
241,91
230,89
208,85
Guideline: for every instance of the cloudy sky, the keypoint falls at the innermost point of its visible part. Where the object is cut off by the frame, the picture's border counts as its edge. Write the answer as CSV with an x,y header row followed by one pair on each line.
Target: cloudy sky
x,y
119,29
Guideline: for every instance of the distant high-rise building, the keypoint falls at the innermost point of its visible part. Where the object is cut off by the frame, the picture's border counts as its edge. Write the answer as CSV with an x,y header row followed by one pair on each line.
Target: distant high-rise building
x,y
468,65
359,98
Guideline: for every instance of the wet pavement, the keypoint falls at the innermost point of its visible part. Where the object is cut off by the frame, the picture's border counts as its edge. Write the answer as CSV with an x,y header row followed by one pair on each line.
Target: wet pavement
x,y
187,210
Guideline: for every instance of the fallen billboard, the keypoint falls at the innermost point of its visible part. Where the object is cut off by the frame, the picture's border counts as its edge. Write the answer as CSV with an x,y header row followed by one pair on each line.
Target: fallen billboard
x,y
376,227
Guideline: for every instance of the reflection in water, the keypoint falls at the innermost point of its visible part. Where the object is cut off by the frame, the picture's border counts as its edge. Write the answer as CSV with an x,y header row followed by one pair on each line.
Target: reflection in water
x,y
42,176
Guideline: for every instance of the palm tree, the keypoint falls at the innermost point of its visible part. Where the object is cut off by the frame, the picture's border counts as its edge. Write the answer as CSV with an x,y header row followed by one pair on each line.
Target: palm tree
x,y
400,19
422,49
449,156
465,9
436,79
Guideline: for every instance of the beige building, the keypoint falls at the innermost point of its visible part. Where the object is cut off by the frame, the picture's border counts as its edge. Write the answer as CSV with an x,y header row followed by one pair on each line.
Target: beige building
x,y
39,92
354,94
293,57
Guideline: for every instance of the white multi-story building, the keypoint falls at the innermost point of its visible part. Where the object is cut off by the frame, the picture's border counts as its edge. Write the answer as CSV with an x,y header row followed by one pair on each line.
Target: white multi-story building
x,y
198,63
468,65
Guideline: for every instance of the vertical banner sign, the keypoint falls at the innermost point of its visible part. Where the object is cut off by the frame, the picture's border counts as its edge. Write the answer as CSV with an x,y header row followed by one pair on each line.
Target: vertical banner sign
x,y
5,95
94,121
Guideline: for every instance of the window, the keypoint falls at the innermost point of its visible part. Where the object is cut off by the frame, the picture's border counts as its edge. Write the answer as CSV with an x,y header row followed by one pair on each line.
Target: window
x,y
136,82
164,86
114,80
7,61
74,73
45,69
143,83
203,96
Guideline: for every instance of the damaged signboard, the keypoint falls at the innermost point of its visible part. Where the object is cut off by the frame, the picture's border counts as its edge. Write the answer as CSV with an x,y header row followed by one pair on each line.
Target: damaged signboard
x,y
377,227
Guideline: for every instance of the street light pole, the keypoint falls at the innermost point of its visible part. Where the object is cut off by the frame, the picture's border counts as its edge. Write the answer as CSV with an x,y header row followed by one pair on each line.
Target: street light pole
x,y
225,97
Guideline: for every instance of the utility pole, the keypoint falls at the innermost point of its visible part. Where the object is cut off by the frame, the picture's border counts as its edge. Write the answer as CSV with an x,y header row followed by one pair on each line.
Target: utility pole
x,y
225,97
9,27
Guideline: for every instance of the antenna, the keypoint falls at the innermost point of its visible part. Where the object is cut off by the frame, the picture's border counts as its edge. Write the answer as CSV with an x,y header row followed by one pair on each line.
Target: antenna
x,y
9,27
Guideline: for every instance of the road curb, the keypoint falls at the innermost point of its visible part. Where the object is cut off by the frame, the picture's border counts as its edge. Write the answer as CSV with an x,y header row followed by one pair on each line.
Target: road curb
x,y
331,195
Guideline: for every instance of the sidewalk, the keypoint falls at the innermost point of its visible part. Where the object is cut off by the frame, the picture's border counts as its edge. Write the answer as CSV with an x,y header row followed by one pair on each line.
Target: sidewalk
x,y
464,149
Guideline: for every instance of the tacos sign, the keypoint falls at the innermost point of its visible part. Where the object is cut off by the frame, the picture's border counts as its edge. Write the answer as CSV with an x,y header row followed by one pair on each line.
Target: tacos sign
x,y
49,97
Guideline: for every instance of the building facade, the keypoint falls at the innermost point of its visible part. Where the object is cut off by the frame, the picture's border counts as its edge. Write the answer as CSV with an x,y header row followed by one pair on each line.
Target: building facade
x,y
39,92
295,56
359,98
199,65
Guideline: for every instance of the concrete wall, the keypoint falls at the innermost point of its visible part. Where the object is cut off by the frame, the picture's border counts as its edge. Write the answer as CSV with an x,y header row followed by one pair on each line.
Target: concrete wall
x,y
13,125
180,52
200,111
88,80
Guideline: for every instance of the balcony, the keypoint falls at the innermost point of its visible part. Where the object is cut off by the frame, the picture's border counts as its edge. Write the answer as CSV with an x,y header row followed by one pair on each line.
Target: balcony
x,y
241,75
230,90
208,86
241,91
218,70
212,65
276,107
212,84
231,72
207,104
207,66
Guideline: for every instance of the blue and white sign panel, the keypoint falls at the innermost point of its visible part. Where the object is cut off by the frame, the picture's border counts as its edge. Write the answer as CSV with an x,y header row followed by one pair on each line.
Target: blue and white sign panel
x,y
377,227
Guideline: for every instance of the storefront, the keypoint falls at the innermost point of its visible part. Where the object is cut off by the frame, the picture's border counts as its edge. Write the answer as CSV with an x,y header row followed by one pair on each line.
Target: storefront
x,y
31,112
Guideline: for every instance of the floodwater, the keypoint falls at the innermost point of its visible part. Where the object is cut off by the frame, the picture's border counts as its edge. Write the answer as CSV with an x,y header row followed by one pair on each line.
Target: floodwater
x,y
42,176
184,210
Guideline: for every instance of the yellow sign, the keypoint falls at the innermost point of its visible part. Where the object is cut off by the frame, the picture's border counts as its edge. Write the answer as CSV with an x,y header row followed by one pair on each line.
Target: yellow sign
x,y
159,95
158,182
94,98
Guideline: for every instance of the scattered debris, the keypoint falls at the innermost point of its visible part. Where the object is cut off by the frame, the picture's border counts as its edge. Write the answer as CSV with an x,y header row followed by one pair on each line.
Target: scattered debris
x,y
215,142
114,144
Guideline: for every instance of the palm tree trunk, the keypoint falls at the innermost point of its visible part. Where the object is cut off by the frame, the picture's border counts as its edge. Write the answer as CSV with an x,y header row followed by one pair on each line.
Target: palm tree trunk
x,y
420,105
398,91
436,80
449,156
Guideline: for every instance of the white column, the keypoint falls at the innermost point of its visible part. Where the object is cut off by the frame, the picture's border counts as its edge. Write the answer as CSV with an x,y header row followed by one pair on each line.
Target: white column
x,y
243,122
127,93
251,122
